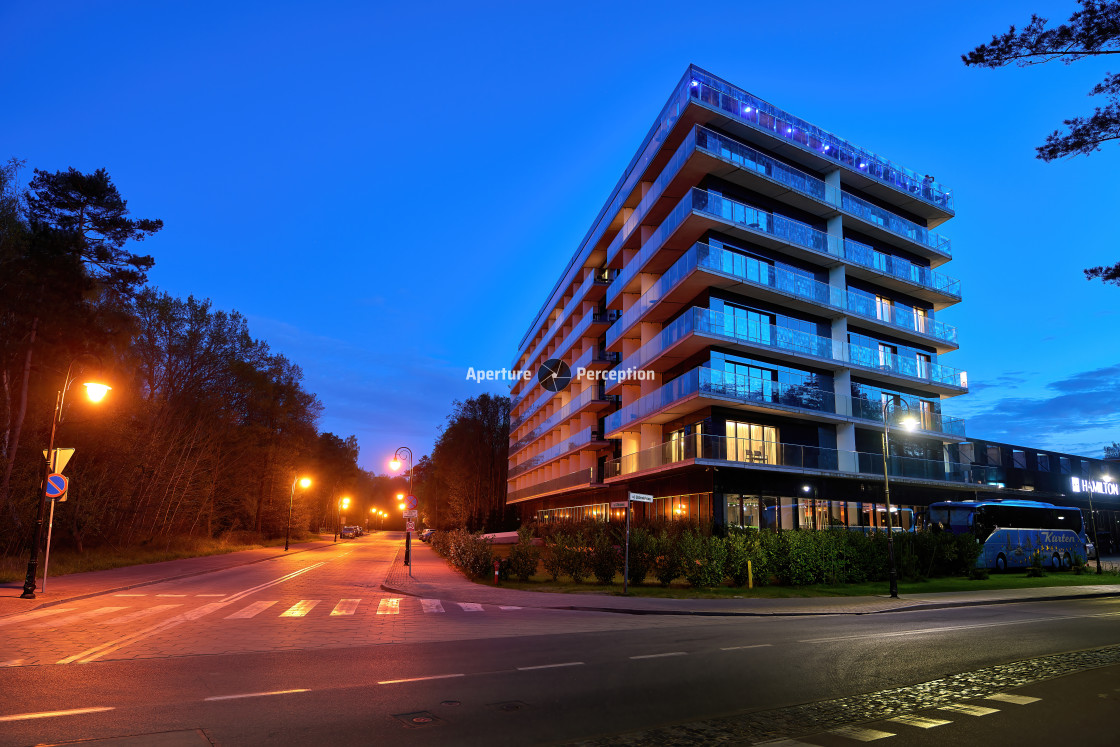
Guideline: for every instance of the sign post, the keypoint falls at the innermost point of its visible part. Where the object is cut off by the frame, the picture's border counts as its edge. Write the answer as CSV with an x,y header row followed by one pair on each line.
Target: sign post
x,y
57,485
641,498
410,503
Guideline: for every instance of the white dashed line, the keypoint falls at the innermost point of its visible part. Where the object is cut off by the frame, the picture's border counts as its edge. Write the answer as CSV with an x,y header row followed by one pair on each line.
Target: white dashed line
x,y
507,608
253,609
52,714
658,656
258,695
971,710
130,595
59,621
551,666
741,648
861,735
12,663
300,608
919,721
170,595
421,679
139,614
391,606
346,607
34,615
432,605
1015,699
470,607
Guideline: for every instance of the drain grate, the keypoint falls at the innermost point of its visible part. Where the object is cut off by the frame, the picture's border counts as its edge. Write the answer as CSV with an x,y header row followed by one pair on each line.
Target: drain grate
x,y
509,706
417,720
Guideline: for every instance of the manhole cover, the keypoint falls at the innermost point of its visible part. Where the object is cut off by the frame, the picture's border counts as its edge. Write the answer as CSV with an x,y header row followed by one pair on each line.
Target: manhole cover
x,y
450,703
508,706
416,720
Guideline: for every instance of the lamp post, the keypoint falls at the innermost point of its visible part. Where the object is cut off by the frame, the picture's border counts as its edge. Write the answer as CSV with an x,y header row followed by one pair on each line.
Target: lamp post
x,y
908,423
396,464
343,502
96,392
304,482
1093,518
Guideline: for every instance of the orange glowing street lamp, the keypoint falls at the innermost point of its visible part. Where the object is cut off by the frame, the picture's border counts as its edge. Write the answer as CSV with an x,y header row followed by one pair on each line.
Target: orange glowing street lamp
x,y
96,392
304,482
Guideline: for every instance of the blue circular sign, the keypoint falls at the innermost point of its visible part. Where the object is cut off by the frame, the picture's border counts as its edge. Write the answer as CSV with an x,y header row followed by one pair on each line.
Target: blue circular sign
x,y
56,485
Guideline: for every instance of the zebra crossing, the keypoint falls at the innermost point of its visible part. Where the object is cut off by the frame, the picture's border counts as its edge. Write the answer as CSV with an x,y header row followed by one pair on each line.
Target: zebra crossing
x,y
331,609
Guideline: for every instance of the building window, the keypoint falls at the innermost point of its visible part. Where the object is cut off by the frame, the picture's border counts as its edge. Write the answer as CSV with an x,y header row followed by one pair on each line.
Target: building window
x,y
1043,462
1018,459
921,320
1063,462
884,308
749,442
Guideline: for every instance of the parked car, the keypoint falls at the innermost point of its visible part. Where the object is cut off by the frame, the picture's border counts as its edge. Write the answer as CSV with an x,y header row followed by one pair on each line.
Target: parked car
x,y
426,535
347,533
1090,551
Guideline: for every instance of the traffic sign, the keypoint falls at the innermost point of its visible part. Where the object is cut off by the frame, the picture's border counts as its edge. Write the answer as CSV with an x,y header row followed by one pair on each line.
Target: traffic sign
x,y
410,526
641,497
61,459
619,504
410,501
410,514
56,486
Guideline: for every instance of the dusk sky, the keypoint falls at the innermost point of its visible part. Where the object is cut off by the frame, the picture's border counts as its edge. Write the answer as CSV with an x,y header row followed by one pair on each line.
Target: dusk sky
x,y
389,191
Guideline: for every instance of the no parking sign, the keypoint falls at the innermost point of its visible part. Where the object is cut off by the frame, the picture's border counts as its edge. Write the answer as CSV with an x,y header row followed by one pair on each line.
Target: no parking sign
x,y
56,487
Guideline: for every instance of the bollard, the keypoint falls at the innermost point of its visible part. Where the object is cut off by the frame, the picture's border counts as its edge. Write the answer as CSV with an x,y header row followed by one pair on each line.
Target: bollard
x,y
496,564
750,575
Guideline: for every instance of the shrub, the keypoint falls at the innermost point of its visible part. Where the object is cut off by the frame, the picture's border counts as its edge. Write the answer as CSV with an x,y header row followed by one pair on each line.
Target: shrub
x,y
470,553
566,556
978,574
643,549
667,561
702,558
1034,570
603,558
523,557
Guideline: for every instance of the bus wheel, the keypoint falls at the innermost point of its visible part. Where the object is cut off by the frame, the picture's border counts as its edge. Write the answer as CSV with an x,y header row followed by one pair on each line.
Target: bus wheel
x,y
1067,561
1056,562
1001,563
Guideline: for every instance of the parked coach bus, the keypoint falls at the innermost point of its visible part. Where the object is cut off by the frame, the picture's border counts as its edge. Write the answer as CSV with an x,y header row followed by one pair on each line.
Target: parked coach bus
x,y
1011,532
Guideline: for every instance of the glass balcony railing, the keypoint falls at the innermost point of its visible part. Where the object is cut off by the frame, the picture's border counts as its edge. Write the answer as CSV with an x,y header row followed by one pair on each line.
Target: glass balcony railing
x,y
742,451
584,437
926,369
580,401
572,479
897,267
766,117
538,403
751,390
727,149
900,317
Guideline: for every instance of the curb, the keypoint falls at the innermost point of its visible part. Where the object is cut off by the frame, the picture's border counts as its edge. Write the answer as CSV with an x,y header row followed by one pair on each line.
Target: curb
x,y
150,582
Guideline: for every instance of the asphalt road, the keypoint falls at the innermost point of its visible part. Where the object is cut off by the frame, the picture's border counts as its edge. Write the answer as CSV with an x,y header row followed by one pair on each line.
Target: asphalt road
x,y
307,649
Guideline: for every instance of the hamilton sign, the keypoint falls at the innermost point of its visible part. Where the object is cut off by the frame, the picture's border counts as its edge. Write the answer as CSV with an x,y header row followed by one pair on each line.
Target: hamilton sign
x,y
1095,486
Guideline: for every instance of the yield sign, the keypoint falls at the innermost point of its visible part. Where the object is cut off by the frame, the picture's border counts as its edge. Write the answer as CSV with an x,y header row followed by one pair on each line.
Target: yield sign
x,y
61,459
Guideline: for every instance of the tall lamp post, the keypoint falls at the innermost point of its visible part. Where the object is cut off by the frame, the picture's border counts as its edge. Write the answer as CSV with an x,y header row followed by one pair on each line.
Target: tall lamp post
x,y
908,423
96,392
396,464
343,502
1093,518
304,482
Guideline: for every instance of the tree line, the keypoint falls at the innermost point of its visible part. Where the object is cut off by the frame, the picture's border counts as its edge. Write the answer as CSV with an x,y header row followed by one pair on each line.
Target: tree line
x,y
205,428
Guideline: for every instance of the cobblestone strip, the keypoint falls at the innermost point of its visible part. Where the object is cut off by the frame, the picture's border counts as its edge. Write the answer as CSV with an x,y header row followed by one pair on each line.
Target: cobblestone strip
x,y
811,718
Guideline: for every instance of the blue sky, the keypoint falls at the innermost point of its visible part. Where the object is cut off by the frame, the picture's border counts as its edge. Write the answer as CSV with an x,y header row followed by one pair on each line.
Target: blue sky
x,y
388,191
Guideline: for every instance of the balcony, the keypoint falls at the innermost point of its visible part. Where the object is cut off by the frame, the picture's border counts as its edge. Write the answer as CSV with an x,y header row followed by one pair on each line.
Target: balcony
x,y
823,147
779,457
684,280
579,478
591,397
702,387
586,438
927,371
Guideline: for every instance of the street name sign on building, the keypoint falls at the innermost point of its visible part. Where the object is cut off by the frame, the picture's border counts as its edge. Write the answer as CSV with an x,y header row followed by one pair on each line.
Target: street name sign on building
x,y
619,504
410,501
641,497
56,486
410,514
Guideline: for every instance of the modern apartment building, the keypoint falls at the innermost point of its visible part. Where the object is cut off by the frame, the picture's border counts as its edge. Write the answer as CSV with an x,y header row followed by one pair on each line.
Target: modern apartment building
x,y
754,296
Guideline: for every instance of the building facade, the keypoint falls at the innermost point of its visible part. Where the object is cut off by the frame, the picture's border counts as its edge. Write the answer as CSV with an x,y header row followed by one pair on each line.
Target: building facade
x,y
754,298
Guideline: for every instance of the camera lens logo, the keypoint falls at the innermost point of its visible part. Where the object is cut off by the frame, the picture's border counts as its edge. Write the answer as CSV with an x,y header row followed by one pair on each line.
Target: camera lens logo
x,y
554,375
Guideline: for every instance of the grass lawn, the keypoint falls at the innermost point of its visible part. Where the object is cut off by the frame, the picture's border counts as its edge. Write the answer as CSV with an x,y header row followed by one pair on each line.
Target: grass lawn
x,y
65,561
1016,579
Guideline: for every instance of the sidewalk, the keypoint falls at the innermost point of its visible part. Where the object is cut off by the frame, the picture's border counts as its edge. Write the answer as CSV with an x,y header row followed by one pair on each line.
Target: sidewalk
x,y
81,585
433,578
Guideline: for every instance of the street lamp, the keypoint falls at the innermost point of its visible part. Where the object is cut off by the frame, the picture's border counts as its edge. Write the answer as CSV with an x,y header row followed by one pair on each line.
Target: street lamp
x,y
909,423
304,482
1093,518
343,502
96,391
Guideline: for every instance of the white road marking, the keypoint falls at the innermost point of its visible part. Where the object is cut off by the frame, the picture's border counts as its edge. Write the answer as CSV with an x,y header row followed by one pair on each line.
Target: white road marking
x,y
470,606
971,710
658,656
389,606
52,714
919,721
937,630
12,663
209,595
170,595
346,607
551,666
252,610
1016,699
33,615
92,654
139,613
432,605
789,743
861,735
258,695
300,608
60,621
740,648
130,595
420,679
506,607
